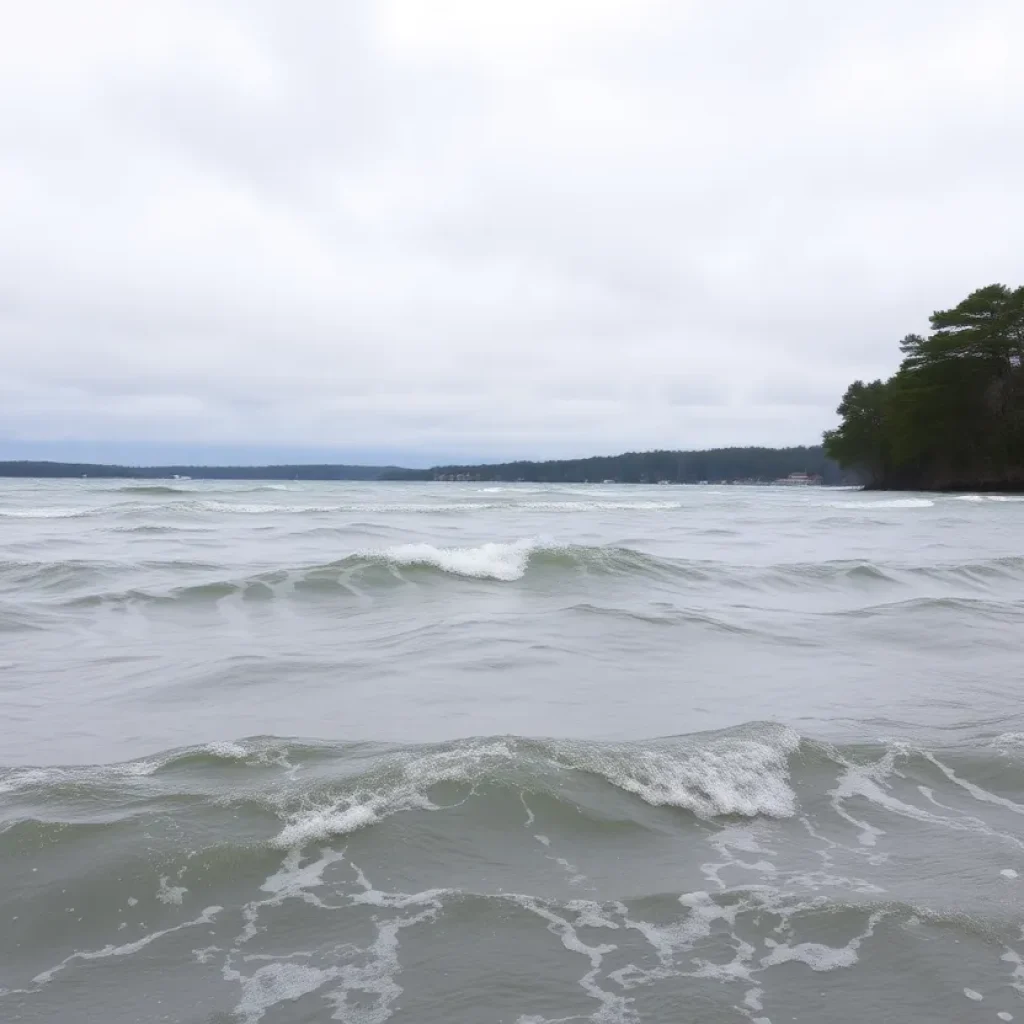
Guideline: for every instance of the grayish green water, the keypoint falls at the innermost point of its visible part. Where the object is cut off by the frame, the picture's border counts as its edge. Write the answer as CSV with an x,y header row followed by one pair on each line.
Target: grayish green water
x,y
468,753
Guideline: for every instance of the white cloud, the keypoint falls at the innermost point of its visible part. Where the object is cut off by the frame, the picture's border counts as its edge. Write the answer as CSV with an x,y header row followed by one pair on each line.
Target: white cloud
x,y
523,227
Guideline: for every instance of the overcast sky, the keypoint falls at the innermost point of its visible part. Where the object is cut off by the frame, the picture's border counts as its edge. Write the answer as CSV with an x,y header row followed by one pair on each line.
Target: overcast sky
x,y
486,228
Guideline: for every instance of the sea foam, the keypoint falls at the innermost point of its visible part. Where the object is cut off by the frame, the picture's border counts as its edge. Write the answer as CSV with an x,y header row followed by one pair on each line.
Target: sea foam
x,y
495,561
745,776
887,503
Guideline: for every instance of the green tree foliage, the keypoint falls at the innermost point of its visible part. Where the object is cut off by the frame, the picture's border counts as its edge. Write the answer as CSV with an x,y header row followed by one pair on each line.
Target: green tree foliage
x,y
952,416
862,439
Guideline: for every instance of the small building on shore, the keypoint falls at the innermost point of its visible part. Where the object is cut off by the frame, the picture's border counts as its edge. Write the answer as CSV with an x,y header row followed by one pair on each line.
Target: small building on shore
x,y
800,480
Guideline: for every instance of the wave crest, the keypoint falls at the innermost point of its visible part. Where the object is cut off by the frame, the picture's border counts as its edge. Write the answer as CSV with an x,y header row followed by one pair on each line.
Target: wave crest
x,y
488,561
89,583
156,490
741,772
885,503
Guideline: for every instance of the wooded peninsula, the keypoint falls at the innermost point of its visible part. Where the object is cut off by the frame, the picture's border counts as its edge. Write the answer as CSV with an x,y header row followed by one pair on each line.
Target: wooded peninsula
x,y
952,416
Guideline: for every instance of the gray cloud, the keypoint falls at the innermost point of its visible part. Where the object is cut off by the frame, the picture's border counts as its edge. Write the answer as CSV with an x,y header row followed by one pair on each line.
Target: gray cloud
x,y
529,228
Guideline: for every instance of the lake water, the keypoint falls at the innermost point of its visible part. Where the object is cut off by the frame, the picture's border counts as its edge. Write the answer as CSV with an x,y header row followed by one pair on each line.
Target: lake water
x,y
443,753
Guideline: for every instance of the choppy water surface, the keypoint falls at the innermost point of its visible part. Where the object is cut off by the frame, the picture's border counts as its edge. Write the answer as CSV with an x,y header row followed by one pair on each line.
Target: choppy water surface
x,y
467,753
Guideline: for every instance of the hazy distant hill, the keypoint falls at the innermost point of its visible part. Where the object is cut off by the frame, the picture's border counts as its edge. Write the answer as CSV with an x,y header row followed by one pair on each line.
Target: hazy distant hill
x,y
70,469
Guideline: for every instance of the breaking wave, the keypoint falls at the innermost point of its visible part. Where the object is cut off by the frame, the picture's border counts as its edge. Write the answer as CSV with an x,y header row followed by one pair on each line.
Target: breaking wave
x,y
316,790
886,503
183,506
488,561
155,490
741,772
499,562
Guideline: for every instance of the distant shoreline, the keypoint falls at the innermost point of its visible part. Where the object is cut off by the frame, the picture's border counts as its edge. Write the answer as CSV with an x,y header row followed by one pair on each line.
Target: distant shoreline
x,y
45,470
800,466
496,473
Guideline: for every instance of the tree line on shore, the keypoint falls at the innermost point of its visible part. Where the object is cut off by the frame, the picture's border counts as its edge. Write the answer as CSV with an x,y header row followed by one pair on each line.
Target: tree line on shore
x,y
755,465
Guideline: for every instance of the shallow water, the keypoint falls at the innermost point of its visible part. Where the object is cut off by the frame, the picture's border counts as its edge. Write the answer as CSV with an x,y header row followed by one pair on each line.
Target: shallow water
x,y
445,753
